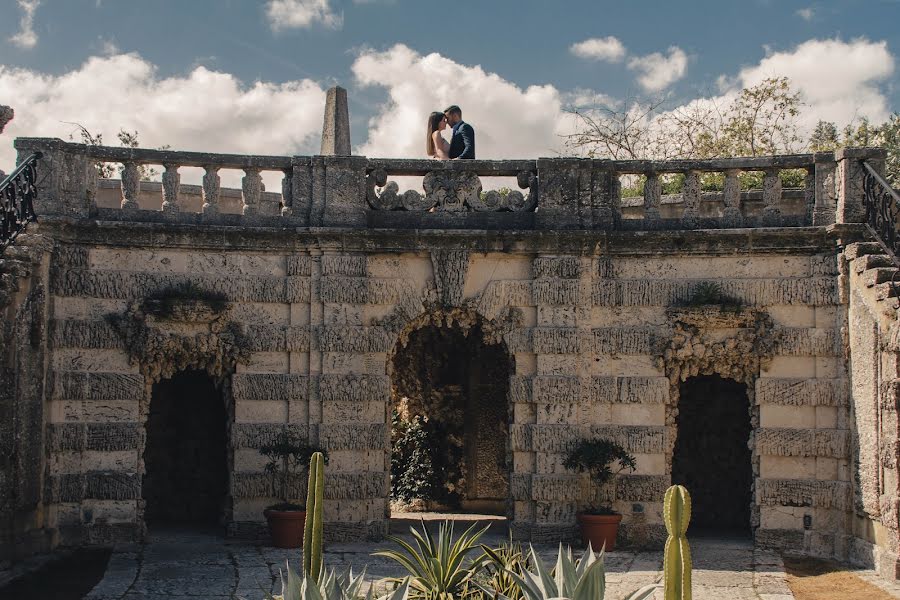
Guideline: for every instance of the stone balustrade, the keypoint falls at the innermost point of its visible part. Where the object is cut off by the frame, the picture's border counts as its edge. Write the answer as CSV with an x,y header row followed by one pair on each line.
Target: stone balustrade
x,y
552,193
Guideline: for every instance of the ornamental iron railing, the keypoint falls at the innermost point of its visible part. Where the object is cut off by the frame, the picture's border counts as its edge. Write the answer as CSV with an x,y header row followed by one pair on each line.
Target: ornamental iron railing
x,y
17,194
882,206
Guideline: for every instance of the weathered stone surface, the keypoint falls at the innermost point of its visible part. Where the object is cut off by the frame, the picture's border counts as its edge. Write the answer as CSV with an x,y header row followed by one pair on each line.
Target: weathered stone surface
x,y
71,385
299,265
808,342
641,488
353,436
450,268
269,386
556,389
832,443
555,488
105,437
556,292
804,492
98,485
753,292
802,392
349,266
354,388
635,438
256,435
557,267
643,390
363,290
84,334
555,340
625,340
354,339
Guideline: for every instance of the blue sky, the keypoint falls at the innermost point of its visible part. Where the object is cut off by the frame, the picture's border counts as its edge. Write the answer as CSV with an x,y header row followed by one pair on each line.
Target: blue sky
x,y
388,51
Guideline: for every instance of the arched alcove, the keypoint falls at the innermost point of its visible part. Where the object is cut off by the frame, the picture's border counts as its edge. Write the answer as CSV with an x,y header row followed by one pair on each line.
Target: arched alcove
x,y
185,480
449,392
712,456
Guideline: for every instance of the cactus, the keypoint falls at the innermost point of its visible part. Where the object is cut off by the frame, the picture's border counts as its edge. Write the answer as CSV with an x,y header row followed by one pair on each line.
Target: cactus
x,y
677,564
312,533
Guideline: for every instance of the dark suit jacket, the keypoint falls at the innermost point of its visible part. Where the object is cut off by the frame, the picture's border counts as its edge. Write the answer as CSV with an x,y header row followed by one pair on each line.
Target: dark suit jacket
x,y
462,144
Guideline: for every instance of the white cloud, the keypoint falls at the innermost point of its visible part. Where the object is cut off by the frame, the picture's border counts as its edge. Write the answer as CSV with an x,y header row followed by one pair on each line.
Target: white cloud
x,y
202,110
657,72
26,37
839,80
294,14
609,49
509,121
806,14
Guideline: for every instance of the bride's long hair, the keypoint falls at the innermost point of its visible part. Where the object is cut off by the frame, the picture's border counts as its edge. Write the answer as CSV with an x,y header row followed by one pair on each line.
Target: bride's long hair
x,y
434,121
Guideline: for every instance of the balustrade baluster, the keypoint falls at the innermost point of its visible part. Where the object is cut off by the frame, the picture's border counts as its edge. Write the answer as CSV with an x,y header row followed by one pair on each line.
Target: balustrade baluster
x,y
691,195
652,196
171,182
809,194
131,186
771,197
251,186
732,195
211,187
287,193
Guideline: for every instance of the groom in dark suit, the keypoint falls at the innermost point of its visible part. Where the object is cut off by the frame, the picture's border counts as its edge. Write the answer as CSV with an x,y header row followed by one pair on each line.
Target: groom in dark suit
x,y
462,144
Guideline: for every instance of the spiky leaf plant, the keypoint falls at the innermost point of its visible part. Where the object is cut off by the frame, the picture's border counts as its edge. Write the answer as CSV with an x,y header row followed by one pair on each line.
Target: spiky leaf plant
x,y
570,579
501,561
437,565
331,586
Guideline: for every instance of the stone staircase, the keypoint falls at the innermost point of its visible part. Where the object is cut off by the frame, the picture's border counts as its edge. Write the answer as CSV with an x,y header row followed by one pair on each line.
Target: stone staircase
x,y
876,271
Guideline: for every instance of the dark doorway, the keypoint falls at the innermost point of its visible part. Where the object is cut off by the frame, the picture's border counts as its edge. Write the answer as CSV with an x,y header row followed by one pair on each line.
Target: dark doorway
x,y
185,459
712,457
451,422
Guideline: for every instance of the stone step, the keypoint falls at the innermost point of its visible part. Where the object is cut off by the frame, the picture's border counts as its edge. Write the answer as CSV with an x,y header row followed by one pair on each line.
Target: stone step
x,y
857,249
873,277
872,261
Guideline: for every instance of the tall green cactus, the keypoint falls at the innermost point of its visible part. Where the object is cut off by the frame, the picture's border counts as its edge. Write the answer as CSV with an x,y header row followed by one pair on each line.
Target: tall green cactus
x,y
677,565
312,533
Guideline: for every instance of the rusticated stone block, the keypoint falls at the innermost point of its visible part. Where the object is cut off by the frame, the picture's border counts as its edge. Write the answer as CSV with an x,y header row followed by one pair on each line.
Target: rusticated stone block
x,y
351,486
781,539
62,437
353,437
802,392
634,438
93,335
126,285
354,388
520,486
518,340
604,390
297,339
254,485
349,266
553,438
110,437
297,290
555,340
266,338
831,443
363,290
554,512
554,488
269,386
641,488
556,292
500,294
804,492
70,257
643,390
559,267
799,341
72,385
820,291
520,388
255,435
354,339
624,340
547,533
299,265
521,438
556,389
94,485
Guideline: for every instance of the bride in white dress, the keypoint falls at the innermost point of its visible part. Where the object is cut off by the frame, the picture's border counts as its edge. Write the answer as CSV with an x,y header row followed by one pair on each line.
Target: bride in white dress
x,y
435,145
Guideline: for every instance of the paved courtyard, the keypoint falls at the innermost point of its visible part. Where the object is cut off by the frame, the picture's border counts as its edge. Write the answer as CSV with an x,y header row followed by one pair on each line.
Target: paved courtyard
x,y
194,565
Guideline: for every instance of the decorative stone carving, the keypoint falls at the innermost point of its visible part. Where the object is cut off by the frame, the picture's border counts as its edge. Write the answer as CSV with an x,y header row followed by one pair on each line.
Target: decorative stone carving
x,y
171,181
451,190
652,196
160,351
732,195
691,194
211,187
251,190
771,197
131,186
450,269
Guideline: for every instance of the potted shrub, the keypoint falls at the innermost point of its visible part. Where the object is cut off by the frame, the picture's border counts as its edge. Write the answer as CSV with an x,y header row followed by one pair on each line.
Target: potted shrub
x,y
602,460
288,459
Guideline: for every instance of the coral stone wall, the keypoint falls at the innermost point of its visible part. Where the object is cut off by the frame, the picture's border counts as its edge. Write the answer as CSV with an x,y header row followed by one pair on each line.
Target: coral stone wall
x,y
598,341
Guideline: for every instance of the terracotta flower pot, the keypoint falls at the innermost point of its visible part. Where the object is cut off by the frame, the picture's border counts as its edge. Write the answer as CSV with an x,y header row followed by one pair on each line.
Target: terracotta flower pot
x,y
599,530
286,527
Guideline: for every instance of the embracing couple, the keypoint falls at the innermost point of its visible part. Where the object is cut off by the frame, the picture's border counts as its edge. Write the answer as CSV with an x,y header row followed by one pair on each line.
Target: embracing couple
x,y
461,145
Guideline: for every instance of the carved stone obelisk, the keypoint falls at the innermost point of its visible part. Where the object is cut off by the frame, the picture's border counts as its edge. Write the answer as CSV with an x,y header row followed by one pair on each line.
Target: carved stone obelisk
x,y
336,128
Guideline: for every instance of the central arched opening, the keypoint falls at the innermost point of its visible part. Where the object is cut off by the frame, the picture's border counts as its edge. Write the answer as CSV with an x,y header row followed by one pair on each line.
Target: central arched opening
x,y
450,422
712,456
185,480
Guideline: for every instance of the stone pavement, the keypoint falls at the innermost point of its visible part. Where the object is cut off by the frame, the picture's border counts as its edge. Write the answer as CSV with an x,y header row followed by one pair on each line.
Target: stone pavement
x,y
182,566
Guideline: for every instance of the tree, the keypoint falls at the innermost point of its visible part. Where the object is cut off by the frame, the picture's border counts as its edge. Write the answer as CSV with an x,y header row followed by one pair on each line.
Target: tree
x,y
127,139
824,137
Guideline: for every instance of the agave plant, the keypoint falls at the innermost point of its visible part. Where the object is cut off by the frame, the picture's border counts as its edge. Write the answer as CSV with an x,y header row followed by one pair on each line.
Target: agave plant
x,y
332,586
584,579
438,566
507,558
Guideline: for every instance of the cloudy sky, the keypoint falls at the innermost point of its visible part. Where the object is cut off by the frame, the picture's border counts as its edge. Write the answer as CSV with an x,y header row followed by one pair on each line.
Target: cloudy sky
x,y
249,76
